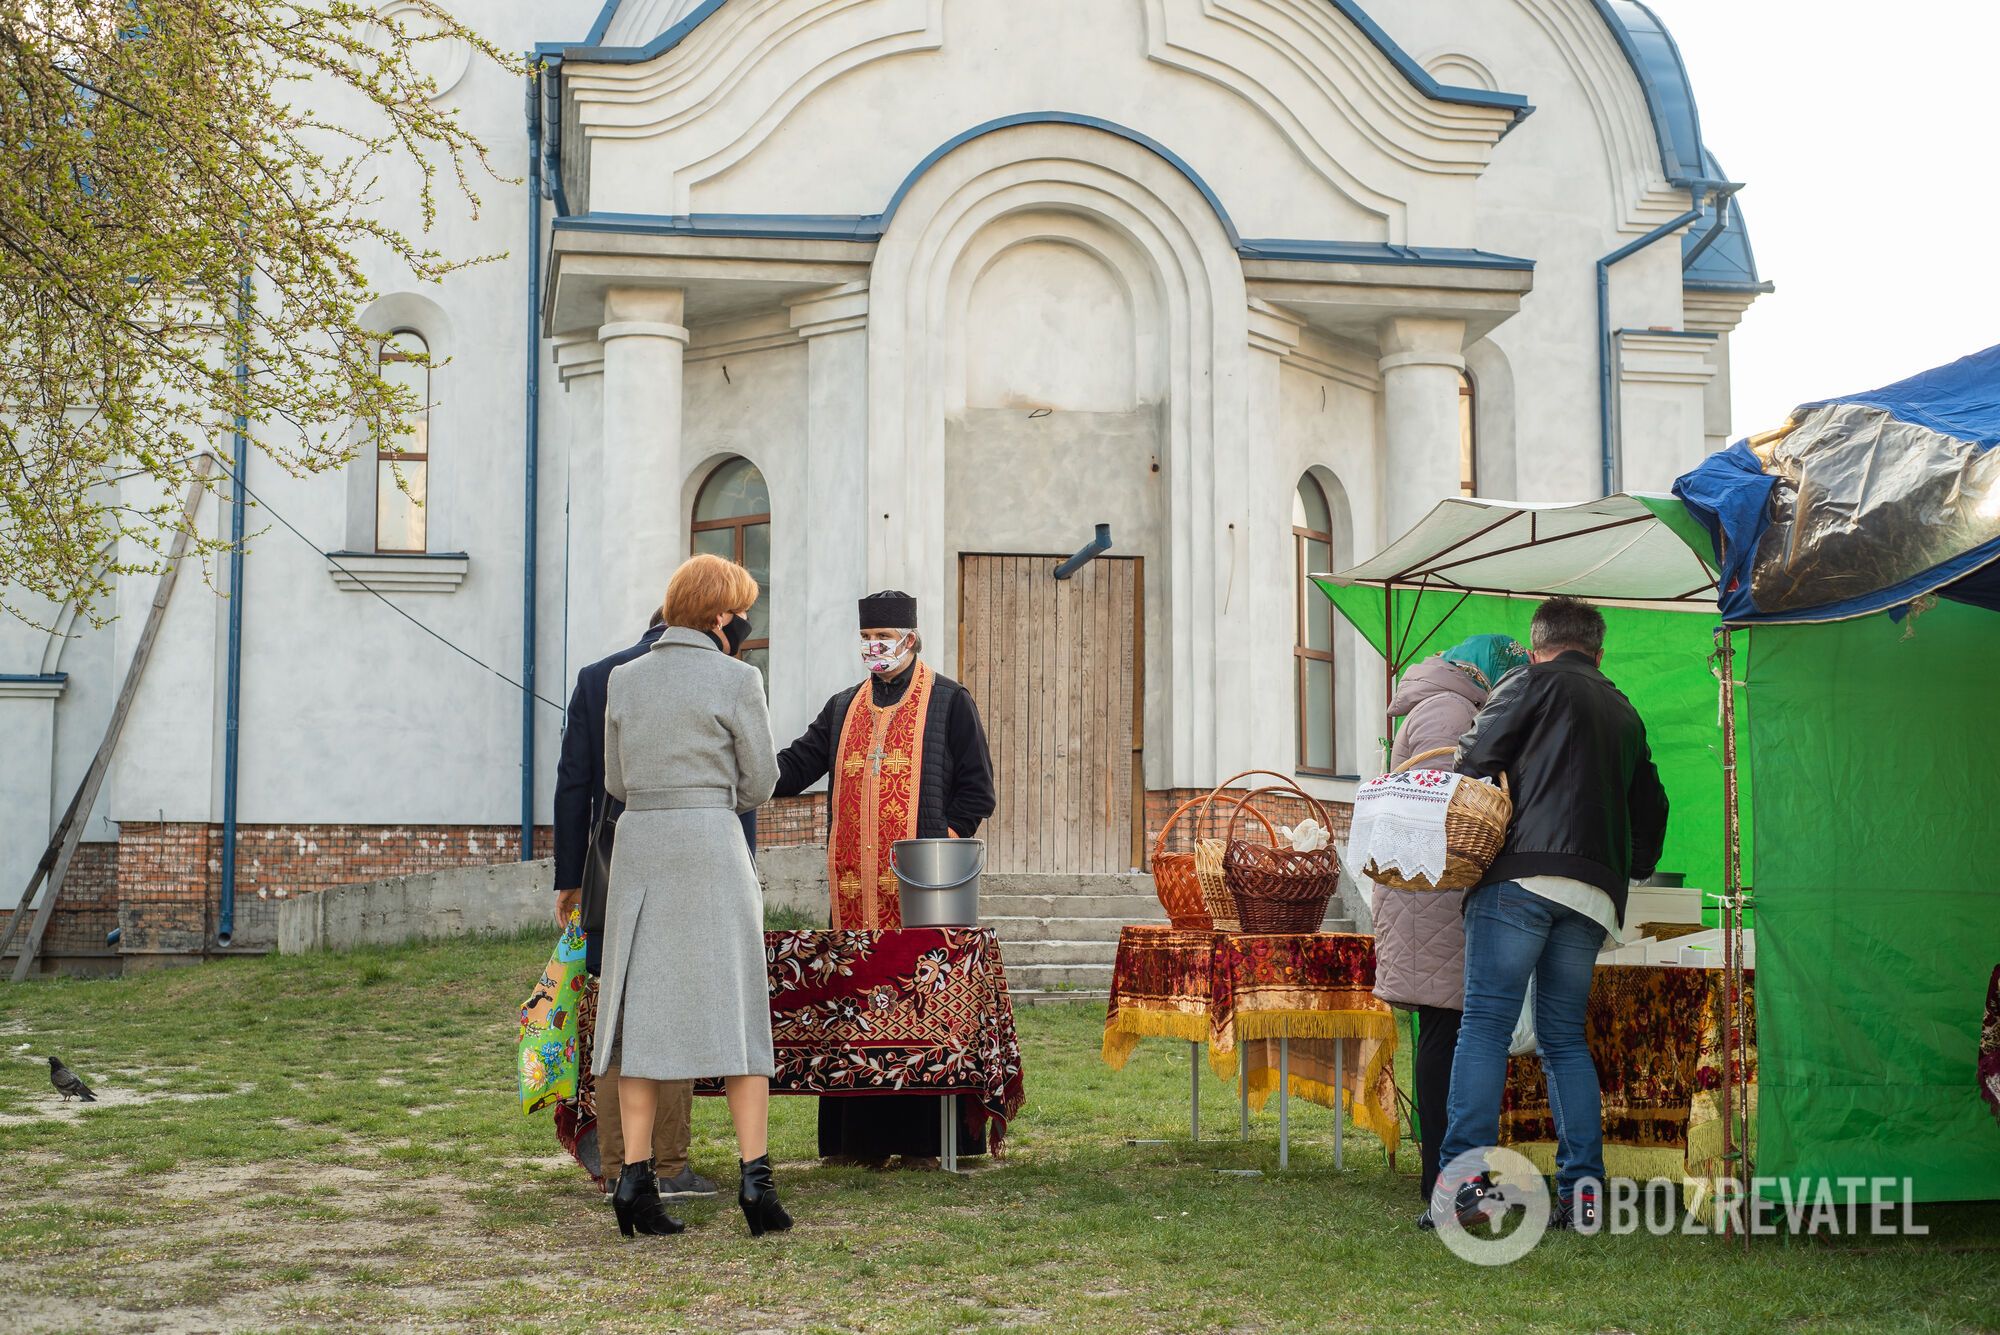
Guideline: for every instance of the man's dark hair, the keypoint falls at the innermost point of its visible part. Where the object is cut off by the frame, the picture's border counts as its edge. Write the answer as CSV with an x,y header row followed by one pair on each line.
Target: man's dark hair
x,y
1567,623
659,618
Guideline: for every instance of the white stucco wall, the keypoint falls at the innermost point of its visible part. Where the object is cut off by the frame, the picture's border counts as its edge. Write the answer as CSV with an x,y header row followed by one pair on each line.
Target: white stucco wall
x,y
1046,267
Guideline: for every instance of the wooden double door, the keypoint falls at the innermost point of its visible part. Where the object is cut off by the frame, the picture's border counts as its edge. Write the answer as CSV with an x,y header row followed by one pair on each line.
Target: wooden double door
x,y
1056,668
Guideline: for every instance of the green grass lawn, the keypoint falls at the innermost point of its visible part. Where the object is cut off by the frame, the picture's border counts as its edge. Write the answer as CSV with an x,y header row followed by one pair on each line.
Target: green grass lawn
x,y
333,1143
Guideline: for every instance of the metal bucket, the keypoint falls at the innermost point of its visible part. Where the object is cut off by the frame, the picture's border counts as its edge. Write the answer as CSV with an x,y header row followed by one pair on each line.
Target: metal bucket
x,y
939,880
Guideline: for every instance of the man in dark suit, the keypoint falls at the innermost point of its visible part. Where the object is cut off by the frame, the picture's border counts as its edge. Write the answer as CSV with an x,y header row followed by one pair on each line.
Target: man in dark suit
x,y
580,800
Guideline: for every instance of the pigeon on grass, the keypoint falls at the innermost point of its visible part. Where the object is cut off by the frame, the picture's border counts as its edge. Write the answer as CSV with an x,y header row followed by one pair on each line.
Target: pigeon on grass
x,y
67,1084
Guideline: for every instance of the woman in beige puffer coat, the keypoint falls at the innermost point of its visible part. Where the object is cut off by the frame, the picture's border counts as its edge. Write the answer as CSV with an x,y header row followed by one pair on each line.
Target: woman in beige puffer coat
x,y
1420,934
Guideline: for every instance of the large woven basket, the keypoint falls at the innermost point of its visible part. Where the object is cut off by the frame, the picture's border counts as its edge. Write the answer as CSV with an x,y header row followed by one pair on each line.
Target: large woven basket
x,y
1174,880
1278,890
1208,852
1475,826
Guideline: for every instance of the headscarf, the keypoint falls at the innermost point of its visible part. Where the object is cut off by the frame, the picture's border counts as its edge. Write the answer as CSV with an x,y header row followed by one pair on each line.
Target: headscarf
x,y
1488,657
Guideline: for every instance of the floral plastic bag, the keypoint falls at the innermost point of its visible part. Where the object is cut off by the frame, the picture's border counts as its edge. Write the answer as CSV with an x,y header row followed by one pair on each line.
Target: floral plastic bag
x,y
546,1060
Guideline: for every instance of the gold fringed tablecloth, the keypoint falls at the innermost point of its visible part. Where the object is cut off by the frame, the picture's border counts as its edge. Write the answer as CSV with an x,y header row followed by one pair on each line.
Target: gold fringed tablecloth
x,y
1251,991
1656,1038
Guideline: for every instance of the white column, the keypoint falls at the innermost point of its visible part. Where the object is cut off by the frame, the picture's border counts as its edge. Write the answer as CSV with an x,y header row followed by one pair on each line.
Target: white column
x,y
579,360
835,327
644,532
1662,407
1422,358
1256,714
27,780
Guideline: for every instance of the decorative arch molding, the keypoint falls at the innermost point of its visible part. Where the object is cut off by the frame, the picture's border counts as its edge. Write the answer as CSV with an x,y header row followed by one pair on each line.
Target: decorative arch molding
x,y
1460,68
1580,33
725,77
1495,419
714,84
1154,226
1321,48
395,311
63,632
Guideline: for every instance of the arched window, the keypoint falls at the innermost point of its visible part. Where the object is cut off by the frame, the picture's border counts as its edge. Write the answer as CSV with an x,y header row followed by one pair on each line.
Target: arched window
x,y
403,460
732,518
1468,436
1312,544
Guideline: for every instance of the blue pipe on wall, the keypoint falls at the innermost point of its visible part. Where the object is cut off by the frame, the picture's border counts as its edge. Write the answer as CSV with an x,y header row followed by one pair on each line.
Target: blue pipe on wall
x,y
1606,446
225,918
532,445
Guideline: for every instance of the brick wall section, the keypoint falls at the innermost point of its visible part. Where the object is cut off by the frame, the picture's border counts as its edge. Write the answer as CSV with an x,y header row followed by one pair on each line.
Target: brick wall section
x,y
161,883
170,876
88,909
793,822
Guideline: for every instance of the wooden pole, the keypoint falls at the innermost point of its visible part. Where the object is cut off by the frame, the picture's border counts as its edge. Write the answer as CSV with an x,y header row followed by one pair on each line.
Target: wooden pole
x,y
55,862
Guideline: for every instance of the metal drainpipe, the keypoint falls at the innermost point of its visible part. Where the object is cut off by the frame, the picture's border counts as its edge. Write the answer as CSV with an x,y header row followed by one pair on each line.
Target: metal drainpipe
x,y
225,918
1607,450
533,449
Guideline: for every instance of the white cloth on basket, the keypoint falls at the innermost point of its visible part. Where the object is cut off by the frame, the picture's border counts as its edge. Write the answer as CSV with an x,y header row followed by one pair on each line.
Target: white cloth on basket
x,y
1399,823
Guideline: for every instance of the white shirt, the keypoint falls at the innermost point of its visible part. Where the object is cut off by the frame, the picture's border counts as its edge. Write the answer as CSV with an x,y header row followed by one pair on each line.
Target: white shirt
x,y
1589,900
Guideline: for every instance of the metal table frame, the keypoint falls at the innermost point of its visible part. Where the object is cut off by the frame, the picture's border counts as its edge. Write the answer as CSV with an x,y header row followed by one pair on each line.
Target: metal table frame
x,y
1195,1058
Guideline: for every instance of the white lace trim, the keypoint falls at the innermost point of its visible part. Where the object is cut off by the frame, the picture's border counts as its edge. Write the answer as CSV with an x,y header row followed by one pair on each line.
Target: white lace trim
x,y
1399,824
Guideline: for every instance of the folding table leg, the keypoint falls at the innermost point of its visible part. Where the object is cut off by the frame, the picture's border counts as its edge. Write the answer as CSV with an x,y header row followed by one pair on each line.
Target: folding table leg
x,y
1194,1091
1339,1102
1242,1092
1285,1099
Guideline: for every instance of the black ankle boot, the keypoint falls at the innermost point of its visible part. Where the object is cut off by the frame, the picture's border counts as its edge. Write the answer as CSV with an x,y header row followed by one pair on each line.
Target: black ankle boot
x,y
759,1198
637,1201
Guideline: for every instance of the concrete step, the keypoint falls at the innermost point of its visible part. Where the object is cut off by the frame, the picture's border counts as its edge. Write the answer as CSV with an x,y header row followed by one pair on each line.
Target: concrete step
x,y
1056,977
1066,883
1026,996
1124,908
1058,952
1054,929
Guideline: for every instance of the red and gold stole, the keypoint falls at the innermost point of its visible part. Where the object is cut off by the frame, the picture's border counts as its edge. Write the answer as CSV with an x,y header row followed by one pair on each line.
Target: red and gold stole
x,y
877,773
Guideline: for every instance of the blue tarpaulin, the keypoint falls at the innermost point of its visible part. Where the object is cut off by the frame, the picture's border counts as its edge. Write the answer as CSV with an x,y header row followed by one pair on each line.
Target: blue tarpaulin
x,y
1868,502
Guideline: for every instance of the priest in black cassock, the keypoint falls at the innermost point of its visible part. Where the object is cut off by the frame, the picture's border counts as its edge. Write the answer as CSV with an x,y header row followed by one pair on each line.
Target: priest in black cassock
x,y
907,759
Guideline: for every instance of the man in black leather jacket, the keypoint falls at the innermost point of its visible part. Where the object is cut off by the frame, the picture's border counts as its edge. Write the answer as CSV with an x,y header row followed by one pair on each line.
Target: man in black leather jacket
x,y
1589,818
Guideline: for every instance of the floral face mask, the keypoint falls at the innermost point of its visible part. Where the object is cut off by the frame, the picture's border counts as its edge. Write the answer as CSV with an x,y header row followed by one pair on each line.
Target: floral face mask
x,y
885,657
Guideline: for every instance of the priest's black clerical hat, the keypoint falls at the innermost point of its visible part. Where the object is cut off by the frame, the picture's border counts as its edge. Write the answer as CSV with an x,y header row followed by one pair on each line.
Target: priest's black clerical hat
x,y
891,609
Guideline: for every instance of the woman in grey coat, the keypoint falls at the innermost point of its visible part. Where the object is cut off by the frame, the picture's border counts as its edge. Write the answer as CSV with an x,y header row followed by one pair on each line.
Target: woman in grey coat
x,y
1420,934
687,747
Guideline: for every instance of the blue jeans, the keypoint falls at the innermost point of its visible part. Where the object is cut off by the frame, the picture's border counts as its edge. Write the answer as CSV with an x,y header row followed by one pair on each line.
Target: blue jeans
x,y
1511,935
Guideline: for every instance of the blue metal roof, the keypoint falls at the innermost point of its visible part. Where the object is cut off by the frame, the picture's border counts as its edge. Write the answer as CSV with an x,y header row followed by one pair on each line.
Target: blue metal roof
x,y
1714,261
1663,77
1725,263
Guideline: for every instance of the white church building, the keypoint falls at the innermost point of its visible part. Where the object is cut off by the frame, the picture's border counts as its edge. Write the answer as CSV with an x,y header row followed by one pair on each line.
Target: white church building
x,y
917,294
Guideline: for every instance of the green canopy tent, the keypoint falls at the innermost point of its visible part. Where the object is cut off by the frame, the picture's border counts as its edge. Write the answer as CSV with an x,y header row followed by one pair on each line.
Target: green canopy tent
x,y
1874,745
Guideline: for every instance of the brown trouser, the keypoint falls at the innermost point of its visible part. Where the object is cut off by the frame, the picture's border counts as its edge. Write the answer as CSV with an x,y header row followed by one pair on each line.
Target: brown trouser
x,y
671,1125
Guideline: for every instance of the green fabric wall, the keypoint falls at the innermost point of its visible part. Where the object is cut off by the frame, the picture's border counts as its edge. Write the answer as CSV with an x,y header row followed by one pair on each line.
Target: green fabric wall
x,y
1877,751
1659,659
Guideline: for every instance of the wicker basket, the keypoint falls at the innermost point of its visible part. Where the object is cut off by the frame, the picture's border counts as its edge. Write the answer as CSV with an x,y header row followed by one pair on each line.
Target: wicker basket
x,y
1278,890
1174,880
1475,825
1208,852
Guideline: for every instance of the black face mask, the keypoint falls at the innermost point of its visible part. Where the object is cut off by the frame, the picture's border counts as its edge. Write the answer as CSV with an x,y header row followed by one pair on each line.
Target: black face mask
x,y
736,632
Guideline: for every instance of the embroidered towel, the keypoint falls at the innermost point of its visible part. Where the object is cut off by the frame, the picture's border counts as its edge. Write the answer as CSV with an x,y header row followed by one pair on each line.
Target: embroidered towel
x,y
1399,823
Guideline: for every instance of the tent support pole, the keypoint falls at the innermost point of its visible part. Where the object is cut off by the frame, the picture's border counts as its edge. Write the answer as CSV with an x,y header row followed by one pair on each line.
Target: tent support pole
x,y
1735,1089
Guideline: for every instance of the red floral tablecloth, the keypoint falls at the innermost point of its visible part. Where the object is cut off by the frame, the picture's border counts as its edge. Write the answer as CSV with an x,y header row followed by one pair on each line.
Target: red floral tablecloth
x,y
917,1011
1229,990
1656,1037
